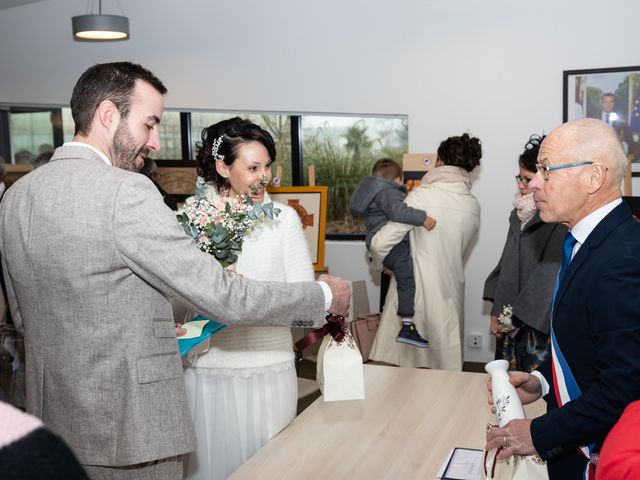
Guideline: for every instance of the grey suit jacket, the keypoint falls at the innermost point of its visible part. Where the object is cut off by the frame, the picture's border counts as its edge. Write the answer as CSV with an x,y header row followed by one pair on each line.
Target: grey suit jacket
x,y
90,252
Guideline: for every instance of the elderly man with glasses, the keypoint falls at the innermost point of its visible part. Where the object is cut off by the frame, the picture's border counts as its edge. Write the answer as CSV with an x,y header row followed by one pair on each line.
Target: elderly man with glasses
x,y
594,369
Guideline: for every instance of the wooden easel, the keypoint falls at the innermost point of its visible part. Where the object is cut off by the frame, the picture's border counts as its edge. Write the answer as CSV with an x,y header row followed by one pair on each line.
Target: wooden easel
x,y
312,175
627,178
312,183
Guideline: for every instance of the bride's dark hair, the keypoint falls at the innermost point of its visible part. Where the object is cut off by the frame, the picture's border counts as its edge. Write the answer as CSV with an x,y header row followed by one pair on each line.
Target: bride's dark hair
x,y
464,151
234,132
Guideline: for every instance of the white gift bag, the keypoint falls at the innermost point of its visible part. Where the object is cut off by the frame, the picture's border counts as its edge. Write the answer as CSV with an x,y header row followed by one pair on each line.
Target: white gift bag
x,y
339,372
517,467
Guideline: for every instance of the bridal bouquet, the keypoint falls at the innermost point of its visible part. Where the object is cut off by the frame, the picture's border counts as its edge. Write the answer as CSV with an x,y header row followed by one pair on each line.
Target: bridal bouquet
x,y
219,226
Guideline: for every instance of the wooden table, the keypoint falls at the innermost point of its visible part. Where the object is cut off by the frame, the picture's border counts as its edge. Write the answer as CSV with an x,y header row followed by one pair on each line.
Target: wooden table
x,y
404,429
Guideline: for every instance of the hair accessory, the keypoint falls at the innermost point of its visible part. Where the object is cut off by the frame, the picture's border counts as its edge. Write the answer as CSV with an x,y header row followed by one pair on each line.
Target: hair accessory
x,y
215,146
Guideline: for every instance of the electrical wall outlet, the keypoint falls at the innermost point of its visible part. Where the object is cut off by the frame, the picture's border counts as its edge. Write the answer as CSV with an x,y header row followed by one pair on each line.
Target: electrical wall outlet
x,y
474,340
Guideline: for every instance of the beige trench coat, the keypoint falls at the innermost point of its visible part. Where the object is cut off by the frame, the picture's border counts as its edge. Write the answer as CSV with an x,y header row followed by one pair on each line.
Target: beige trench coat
x,y
438,259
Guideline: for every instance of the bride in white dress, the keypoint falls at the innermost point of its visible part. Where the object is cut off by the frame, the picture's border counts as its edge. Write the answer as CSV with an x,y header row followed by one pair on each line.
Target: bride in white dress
x,y
243,389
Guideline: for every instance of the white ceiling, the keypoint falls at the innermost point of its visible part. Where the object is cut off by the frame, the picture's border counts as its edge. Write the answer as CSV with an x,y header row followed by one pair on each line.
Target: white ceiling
x,y
15,3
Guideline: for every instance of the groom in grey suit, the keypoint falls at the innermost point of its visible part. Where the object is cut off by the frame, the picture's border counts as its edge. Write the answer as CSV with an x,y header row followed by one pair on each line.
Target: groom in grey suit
x,y
90,254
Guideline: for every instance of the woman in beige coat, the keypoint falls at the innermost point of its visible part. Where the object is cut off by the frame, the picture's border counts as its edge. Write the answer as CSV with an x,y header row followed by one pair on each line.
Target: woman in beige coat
x,y
438,258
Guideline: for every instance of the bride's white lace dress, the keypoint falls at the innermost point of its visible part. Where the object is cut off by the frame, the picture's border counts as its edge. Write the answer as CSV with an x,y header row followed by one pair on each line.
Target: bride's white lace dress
x,y
243,390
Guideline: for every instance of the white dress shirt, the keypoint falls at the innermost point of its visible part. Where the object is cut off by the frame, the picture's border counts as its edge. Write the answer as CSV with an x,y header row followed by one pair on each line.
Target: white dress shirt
x,y
81,144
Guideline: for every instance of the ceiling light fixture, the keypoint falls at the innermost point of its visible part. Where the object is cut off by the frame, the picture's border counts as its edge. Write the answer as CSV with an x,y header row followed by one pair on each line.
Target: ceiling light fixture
x,y
98,28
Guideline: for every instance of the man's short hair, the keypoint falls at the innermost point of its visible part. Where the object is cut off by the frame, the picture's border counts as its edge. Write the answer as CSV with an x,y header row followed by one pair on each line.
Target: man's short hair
x,y
608,94
3,169
387,168
107,81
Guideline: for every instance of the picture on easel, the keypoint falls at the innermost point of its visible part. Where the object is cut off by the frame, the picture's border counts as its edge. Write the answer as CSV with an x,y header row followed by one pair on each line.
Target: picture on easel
x,y
310,203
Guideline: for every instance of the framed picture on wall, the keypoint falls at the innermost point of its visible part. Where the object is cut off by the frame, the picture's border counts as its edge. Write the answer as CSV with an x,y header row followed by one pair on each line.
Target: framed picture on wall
x,y
601,91
310,203
613,96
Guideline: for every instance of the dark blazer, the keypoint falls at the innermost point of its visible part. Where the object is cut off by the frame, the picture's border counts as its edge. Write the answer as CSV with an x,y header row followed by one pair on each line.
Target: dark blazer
x,y
525,275
597,324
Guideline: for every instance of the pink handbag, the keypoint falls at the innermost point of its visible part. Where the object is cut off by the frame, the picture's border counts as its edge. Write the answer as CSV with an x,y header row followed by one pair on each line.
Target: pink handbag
x,y
364,329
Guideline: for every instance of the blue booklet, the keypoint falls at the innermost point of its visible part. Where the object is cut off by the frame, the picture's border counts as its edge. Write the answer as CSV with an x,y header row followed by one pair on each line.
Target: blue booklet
x,y
198,329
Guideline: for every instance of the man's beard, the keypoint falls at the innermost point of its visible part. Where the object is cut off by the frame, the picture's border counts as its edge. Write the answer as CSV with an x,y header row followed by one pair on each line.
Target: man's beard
x,y
125,150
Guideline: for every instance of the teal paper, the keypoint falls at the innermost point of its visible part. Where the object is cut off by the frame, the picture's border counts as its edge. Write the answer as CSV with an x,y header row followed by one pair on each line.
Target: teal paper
x,y
211,328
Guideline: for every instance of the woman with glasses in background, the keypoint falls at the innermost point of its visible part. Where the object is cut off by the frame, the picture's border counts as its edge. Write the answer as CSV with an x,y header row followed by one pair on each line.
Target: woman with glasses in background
x,y
521,285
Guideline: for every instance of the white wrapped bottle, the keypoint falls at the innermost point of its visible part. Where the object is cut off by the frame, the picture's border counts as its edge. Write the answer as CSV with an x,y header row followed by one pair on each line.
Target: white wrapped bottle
x,y
505,397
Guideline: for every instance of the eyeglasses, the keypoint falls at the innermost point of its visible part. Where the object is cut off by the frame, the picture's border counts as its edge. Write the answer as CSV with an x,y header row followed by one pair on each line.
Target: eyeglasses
x,y
522,180
544,170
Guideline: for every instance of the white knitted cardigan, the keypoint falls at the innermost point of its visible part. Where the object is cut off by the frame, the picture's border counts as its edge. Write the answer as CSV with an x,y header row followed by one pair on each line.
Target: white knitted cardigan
x,y
277,251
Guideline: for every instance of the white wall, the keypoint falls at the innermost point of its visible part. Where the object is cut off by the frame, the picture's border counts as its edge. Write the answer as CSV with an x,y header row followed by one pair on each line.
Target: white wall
x,y
493,68
348,259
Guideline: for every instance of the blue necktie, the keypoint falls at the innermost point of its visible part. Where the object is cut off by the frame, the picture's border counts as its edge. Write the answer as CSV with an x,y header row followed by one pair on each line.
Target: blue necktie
x,y
567,249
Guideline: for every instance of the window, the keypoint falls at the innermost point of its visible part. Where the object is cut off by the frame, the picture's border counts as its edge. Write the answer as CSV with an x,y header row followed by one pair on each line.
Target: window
x,y
170,137
279,126
343,150
68,125
32,132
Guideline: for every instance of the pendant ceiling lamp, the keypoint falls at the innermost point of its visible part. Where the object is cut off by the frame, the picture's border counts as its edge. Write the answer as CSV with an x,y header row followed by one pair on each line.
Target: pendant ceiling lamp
x,y
100,28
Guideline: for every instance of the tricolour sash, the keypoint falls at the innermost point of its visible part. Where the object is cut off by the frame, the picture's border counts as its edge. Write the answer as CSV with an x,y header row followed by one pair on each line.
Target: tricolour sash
x,y
564,384
566,389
